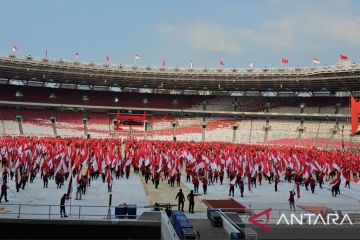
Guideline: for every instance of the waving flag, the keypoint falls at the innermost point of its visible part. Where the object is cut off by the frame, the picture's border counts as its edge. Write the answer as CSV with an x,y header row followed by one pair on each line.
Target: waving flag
x,y
221,63
14,47
163,63
284,61
107,59
137,56
251,64
355,111
316,60
343,57
191,65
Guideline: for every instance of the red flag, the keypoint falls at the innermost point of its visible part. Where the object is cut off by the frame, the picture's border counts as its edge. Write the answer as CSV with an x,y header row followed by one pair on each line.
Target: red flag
x,y
355,110
284,61
107,59
316,60
343,57
221,63
108,176
14,47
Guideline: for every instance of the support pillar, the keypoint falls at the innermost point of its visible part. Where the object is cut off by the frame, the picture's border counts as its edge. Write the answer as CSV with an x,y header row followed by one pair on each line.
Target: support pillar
x,y
203,127
130,131
234,127
19,121
53,124
116,130
266,128
301,129
174,124
85,122
204,108
146,123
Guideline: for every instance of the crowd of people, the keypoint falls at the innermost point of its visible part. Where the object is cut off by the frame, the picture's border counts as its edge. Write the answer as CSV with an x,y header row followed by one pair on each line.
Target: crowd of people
x,y
206,163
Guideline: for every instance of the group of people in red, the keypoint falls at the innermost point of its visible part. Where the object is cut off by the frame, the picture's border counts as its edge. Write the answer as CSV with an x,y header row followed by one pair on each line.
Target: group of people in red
x,y
24,158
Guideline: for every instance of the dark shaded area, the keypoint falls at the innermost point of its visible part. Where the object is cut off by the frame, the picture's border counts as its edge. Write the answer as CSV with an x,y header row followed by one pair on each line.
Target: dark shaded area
x,y
309,232
70,229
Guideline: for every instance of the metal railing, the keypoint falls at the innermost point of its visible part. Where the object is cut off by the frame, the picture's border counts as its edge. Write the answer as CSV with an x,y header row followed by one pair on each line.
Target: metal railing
x,y
204,70
75,212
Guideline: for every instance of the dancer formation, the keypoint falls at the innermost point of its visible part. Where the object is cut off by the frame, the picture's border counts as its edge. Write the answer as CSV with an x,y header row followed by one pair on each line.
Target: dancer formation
x,y
25,158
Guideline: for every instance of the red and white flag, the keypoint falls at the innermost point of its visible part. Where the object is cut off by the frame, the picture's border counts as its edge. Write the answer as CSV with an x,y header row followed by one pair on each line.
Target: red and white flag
x,y
14,47
221,63
316,60
107,59
343,57
284,61
137,56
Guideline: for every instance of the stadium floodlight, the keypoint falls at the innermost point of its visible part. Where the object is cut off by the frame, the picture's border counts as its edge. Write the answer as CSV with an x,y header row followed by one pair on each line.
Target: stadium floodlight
x,y
19,94
116,99
85,98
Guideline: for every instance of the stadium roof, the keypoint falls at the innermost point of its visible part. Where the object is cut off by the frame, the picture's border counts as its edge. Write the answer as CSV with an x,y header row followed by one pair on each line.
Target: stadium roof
x,y
342,77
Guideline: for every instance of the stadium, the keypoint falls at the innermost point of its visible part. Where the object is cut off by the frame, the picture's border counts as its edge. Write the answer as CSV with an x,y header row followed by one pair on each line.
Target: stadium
x,y
122,147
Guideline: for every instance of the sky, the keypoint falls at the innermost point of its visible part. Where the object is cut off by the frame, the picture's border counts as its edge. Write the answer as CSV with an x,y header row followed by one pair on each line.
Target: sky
x,y
184,31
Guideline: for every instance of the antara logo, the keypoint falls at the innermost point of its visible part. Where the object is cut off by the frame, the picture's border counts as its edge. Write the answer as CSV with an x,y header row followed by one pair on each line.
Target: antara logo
x,y
265,212
313,219
301,219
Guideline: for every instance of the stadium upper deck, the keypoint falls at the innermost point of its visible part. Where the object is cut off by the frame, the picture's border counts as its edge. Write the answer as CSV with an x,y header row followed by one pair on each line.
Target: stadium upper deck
x,y
332,79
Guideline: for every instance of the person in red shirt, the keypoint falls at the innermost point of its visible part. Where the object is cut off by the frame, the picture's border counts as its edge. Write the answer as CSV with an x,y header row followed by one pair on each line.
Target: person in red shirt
x,y
312,185
188,172
178,177
292,200
205,183
195,180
